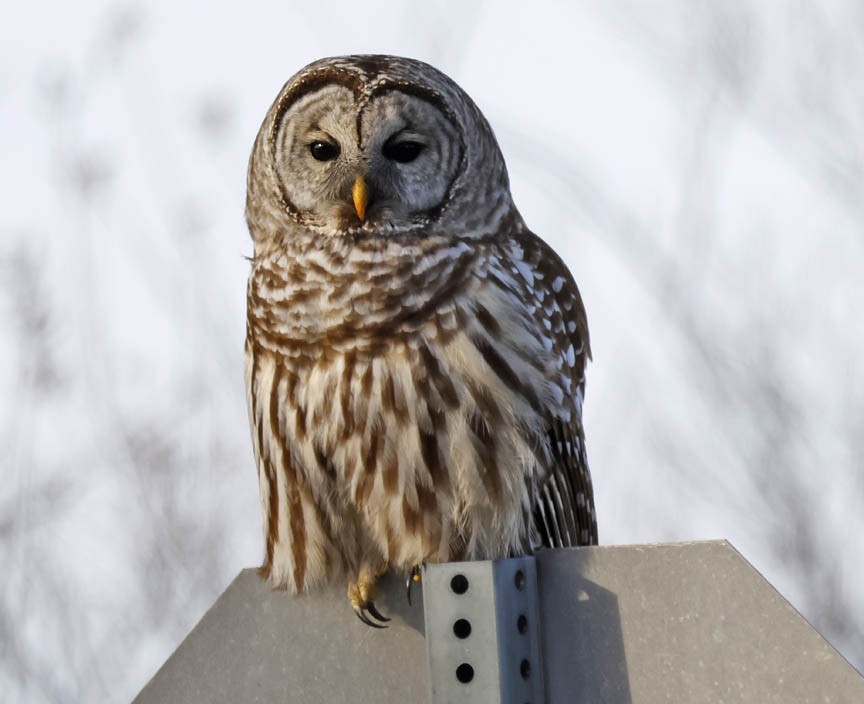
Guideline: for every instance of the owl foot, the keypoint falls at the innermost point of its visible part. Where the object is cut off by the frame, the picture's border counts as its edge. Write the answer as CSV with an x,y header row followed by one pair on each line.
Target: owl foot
x,y
414,576
360,594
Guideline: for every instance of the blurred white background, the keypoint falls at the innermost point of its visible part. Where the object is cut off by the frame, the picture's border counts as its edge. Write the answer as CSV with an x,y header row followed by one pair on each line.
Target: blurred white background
x,y
699,165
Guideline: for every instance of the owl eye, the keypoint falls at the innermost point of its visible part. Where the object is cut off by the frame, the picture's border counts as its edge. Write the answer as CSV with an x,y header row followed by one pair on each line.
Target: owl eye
x,y
402,152
324,151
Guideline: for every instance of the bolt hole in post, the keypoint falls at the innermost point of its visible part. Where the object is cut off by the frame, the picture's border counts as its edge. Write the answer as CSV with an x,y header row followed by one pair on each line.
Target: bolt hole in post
x,y
464,673
459,584
525,669
522,623
462,628
519,580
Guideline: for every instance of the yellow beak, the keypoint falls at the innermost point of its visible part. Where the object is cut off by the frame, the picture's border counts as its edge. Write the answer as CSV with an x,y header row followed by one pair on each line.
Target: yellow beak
x,y
360,193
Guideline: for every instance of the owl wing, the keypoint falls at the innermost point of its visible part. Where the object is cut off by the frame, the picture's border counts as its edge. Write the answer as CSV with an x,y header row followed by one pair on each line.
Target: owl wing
x,y
564,513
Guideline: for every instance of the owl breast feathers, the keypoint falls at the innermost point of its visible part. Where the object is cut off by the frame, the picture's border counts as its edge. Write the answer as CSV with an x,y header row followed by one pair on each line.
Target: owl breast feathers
x,y
415,356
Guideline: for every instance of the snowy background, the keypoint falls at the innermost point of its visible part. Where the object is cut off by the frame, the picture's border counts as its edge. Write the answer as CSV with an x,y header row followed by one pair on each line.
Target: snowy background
x,y
699,165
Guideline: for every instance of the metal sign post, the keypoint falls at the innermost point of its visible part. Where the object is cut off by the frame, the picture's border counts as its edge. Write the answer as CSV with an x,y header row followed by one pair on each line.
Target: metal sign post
x,y
483,632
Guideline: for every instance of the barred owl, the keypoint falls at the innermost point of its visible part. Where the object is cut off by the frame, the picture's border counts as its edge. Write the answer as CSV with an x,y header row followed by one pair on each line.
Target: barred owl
x,y
415,356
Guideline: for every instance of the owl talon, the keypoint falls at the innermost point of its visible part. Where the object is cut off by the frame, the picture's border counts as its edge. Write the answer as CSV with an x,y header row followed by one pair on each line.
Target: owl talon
x,y
361,614
360,594
413,576
370,607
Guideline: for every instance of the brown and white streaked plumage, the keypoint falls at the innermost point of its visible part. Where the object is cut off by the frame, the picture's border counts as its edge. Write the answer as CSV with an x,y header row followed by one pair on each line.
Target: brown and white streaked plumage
x,y
415,356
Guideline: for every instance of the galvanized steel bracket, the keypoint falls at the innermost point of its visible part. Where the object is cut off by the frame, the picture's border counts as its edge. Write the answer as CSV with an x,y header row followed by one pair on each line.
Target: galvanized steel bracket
x,y
483,632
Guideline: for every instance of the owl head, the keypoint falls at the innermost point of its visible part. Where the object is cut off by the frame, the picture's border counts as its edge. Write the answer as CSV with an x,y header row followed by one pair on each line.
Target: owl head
x,y
374,147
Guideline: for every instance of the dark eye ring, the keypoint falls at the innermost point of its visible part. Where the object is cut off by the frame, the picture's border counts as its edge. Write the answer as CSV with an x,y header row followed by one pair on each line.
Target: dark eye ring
x,y
324,151
402,152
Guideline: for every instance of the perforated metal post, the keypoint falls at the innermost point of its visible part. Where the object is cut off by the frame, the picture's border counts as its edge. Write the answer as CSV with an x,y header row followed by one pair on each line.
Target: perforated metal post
x,y
483,632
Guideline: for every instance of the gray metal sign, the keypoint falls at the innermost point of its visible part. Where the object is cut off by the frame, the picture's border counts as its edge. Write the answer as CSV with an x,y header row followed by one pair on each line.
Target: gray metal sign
x,y
689,622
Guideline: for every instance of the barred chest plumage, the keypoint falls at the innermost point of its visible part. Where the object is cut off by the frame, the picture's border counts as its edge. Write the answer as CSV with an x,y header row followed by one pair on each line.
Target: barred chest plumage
x,y
397,402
